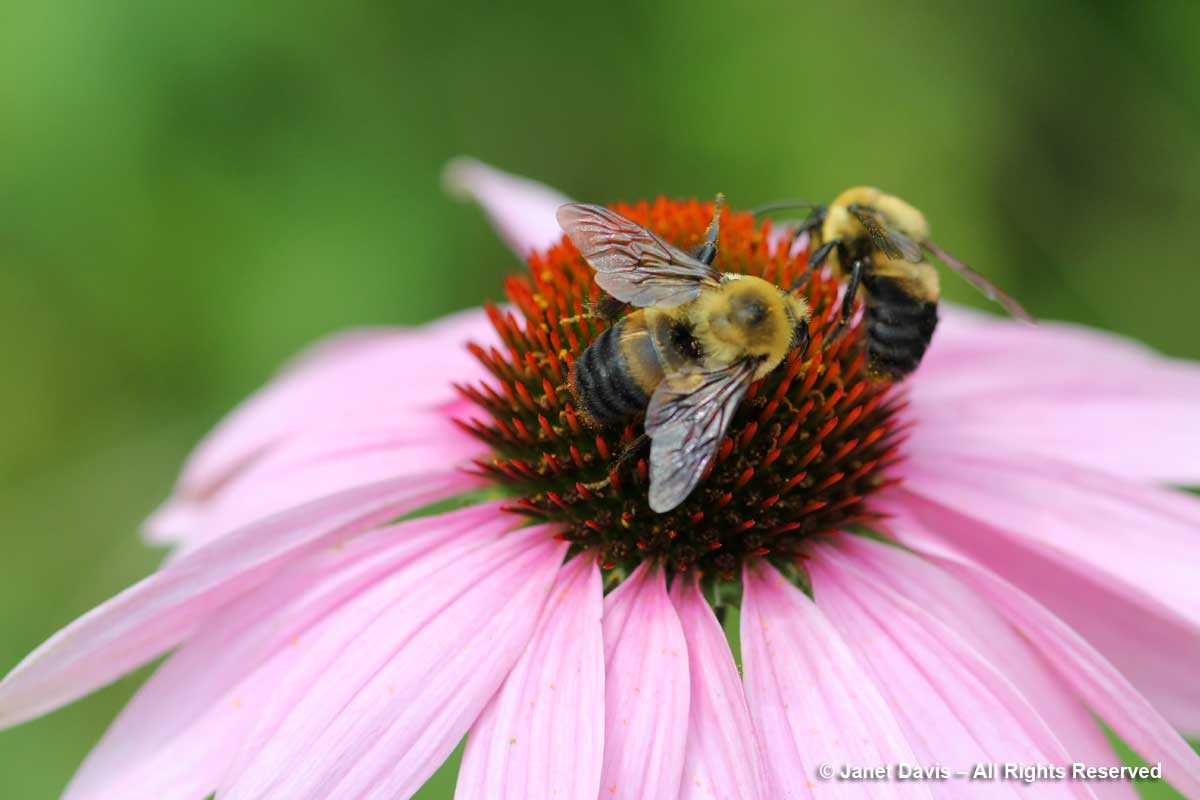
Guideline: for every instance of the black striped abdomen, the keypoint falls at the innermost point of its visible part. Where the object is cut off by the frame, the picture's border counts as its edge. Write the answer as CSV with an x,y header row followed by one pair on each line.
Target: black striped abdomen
x,y
898,327
603,382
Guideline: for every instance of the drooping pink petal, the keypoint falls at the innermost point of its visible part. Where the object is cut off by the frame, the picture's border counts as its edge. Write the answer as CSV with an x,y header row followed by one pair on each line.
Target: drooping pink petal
x,y
522,210
722,761
646,690
811,700
1112,558
955,707
392,680
314,466
178,735
161,610
970,616
382,376
542,735
1094,679
1061,391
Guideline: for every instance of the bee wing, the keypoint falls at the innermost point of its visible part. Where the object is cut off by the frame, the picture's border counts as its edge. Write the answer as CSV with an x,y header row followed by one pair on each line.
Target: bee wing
x,y
989,289
686,421
893,243
633,264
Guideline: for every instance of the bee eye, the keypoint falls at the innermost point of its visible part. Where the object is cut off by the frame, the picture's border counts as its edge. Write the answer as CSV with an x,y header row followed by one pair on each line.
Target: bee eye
x,y
750,312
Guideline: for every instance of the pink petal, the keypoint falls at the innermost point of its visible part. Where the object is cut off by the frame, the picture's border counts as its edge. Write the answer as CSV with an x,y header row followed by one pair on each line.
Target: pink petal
x,y
1061,391
811,701
955,707
646,690
161,610
1119,554
1094,679
542,735
310,467
969,615
359,378
722,758
392,680
522,210
177,737
782,231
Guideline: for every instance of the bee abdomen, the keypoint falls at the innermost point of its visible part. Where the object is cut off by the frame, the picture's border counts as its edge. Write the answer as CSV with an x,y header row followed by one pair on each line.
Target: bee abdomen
x,y
603,381
898,327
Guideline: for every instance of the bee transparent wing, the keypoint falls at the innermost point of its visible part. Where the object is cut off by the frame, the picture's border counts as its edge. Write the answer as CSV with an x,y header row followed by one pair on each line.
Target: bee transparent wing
x,y
686,421
633,264
989,289
892,242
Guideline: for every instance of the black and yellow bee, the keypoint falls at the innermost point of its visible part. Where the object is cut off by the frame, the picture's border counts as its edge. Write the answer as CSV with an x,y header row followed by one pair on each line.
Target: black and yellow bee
x,y
878,243
688,352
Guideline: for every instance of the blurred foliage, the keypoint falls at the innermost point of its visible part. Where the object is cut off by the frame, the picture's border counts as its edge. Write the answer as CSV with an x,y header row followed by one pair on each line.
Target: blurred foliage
x,y
189,193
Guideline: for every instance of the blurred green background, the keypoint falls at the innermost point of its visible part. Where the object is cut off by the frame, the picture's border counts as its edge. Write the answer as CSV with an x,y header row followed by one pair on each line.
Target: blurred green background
x,y
190,193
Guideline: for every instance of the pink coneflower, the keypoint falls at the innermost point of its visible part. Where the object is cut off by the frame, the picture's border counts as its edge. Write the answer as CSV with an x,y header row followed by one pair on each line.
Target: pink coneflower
x,y
325,645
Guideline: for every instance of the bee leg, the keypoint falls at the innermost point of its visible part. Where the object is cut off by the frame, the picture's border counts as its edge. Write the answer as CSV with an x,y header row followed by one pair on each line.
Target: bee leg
x,y
635,448
707,251
607,308
588,313
576,318
821,253
856,272
813,221
800,279
816,259
803,339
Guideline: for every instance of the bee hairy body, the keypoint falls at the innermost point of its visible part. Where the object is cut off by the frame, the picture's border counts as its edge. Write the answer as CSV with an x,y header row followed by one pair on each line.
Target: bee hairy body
x,y
878,244
841,224
618,372
688,353
899,325
899,297
743,317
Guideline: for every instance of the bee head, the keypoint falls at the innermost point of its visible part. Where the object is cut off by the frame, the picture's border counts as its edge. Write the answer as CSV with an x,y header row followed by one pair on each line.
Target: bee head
x,y
751,315
747,311
746,318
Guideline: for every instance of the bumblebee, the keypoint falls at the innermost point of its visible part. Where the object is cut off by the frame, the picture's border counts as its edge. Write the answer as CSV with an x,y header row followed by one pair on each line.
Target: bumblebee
x,y
877,242
685,356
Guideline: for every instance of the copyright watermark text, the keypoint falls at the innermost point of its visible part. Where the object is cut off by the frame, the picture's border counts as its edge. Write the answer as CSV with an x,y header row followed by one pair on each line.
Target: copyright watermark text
x,y
998,772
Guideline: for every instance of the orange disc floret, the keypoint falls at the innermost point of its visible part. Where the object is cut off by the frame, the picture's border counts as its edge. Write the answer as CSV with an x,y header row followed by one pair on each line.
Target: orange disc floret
x,y
807,446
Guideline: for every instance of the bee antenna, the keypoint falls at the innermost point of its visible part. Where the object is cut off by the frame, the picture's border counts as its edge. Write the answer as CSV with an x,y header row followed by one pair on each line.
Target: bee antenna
x,y
714,227
783,205
707,251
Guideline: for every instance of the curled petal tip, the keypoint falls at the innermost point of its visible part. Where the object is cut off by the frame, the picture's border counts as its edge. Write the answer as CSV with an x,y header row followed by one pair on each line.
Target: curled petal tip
x,y
457,176
522,210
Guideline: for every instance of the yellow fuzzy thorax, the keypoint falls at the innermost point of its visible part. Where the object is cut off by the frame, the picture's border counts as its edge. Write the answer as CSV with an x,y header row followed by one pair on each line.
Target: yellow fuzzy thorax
x,y
840,224
725,339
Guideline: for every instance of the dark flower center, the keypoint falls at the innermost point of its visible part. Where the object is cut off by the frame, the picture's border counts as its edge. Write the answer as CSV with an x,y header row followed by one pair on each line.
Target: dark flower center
x,y
807,446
